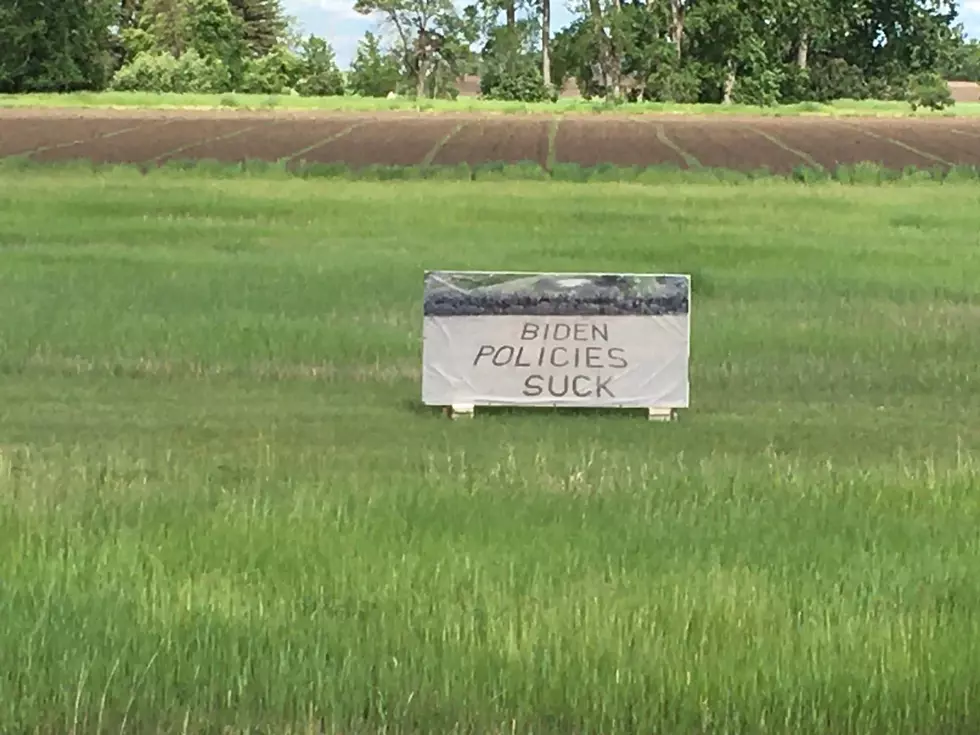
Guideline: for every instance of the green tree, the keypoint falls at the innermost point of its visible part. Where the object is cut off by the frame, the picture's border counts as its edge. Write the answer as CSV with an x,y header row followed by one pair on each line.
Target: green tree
x,y
214,31
431,39
277,72
510,70
320,75
373,72
55,47
263,24
963,63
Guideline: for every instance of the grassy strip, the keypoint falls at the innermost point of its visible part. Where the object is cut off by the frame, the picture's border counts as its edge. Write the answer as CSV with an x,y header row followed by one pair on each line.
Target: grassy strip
x,y
862,173
847,108
223,511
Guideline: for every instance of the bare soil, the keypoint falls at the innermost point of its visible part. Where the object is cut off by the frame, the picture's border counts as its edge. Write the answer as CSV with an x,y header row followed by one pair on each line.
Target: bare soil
x,y
949,146
270,141
619,142
144,143
145,136
492,141
18,139
384,142
832,143
965,91
734,145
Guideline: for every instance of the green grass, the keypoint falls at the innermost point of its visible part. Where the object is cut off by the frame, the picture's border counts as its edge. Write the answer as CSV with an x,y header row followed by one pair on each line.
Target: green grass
x,y
861,174
221,505
848,108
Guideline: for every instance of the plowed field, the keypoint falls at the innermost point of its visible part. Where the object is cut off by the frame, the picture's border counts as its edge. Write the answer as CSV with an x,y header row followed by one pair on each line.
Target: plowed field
x,y
779,144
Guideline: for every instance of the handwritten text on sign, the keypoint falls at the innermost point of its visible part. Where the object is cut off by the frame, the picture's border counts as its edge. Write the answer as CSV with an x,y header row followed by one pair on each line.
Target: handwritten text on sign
x,y
555,360
544,345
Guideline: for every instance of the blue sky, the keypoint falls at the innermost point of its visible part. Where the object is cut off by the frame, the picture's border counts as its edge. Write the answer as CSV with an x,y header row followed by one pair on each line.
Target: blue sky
x,y
336,21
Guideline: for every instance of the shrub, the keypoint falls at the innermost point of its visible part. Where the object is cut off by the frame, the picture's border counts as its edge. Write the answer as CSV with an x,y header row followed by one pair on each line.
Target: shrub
x,y
835,79
522,82
147,72
195,74
673,84
796,86
761,88
929,90
273,73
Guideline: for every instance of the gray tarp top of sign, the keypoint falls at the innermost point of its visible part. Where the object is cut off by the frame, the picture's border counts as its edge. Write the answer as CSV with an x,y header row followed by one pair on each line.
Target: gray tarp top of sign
x,y
460,293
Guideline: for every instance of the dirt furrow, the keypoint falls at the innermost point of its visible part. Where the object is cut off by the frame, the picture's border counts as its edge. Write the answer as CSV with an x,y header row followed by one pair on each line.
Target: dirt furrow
x,y
779,144
619,142
493,141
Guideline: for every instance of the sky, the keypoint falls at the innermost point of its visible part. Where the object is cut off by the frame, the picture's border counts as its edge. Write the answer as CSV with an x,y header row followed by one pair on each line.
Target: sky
x,y
336,21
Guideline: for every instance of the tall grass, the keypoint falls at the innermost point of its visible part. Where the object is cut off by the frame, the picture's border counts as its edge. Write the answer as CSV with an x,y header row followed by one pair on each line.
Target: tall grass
x,y
222,508
866,173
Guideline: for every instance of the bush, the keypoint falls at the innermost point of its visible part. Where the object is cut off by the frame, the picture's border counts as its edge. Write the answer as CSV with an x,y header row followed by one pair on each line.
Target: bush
x,y
195,74
796,86
161,72
147,72
277,71
760,89
673,84
929,90
523,82
835,79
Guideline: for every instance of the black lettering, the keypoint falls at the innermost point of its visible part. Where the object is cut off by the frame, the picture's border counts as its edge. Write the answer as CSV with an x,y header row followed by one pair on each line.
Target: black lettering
x,y
566,332
532,385
600,331
517,360
602,384
530,331
592,357
618,356
581,333
484,351
575,389
541,357
500,351
551,386
554,350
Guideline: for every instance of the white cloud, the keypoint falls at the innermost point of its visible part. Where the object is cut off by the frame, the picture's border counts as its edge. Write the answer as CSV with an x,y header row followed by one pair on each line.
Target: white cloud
x,y
334,20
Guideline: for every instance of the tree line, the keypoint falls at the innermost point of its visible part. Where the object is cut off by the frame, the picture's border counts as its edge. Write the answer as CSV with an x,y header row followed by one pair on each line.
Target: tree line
x,y
759,52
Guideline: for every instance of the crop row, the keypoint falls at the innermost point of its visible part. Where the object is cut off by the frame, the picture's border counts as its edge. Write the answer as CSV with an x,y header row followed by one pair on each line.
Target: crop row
x,y
780,145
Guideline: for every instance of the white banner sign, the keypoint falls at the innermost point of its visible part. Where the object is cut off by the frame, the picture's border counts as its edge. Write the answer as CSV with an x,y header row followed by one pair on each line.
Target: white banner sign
x,y
556,340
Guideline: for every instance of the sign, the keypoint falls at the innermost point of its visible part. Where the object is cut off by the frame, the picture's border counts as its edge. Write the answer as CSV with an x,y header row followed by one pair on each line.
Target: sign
x,y
555,339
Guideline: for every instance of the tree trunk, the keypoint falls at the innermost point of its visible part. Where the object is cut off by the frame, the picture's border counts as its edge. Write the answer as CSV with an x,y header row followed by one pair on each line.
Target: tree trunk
x,y
803,50
546,42
677,25
596,11
729,83
615,62
511,15
420,82
608,62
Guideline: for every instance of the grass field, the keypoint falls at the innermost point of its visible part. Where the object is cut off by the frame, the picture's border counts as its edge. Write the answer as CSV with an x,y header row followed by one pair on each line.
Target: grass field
x,y
221,505
146,100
